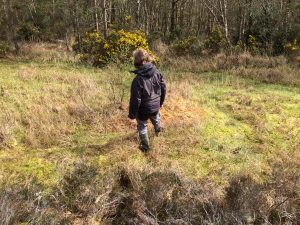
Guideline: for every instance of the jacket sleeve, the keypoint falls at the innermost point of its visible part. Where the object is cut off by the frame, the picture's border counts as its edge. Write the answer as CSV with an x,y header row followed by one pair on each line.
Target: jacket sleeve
x,y
135,98
163,90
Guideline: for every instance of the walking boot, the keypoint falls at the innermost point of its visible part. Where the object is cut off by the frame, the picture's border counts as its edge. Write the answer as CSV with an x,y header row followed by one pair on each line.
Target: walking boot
x,y
158,131
144,144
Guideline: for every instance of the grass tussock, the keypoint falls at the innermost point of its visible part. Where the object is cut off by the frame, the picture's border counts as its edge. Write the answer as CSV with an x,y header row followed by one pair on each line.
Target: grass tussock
x,y
283,75
43,52
6,130
133,196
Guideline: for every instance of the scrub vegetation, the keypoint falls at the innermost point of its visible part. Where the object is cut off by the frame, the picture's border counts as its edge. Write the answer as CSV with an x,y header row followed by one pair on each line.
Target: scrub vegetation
x,y
229,153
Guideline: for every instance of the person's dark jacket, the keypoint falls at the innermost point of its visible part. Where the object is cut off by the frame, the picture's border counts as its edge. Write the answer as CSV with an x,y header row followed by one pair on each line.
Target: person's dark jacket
x,y
148,91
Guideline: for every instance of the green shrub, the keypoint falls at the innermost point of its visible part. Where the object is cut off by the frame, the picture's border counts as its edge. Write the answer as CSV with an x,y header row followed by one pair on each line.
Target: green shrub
x,y
4,49
216,41
118,47
254,45
28,32
191,46
292,50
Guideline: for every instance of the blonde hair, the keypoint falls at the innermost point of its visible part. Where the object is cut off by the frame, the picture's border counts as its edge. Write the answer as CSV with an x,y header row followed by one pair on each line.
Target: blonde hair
x,y
141,56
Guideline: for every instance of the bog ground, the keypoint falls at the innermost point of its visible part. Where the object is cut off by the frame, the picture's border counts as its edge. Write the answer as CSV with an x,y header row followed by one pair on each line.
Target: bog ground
x,y
229,153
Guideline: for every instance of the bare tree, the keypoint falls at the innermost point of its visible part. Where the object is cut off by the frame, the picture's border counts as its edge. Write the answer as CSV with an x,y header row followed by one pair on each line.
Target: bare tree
x,y
157,18
173,16
11,21
96,15
73,7
219,9
138,14
105,20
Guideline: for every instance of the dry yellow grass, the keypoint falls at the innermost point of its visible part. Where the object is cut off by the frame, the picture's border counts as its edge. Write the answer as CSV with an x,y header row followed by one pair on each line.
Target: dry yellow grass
x,y
260,68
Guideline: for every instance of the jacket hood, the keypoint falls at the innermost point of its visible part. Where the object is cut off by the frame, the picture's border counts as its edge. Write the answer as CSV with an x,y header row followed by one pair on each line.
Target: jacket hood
x,y
146,70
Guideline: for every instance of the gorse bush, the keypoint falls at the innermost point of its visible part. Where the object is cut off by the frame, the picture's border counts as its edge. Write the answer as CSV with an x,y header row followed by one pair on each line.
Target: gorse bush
x,y
253,45
192,46
216,41
292,49
117,48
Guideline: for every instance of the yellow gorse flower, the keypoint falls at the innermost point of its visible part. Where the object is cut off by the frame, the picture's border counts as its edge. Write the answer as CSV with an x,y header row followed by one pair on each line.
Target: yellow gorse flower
x,y
117,47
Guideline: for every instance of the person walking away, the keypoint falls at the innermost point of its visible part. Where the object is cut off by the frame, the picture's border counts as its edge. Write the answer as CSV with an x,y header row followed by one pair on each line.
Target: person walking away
x,y
148,91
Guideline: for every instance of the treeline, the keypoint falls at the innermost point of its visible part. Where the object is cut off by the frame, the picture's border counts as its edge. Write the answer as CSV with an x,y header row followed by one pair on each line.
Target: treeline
x,y
267,24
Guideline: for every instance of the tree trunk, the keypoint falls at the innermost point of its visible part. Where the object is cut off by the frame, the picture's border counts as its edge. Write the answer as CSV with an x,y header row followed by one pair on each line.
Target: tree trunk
x,y
225,12
75,21
77,26
96,16
53,9
146,29
138,15
67,41
113,12
5,9
242,17
172,23
11,18
105,25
